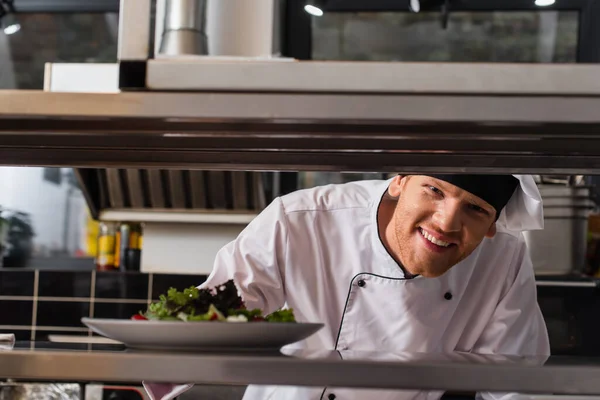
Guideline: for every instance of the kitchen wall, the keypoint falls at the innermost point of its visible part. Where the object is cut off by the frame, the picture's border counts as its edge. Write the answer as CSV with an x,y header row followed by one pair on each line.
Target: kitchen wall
x,y
184,248
35,304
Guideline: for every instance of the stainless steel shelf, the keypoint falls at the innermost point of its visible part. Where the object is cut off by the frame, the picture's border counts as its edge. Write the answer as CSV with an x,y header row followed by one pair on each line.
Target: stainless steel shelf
x,y
337,369
222,73
177,216
303,131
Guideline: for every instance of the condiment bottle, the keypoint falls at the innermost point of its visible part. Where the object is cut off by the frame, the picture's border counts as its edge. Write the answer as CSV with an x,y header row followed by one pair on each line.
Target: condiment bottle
x,y
105,260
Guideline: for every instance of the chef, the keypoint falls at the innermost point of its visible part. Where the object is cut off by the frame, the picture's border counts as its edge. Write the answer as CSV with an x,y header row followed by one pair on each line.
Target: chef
x,y
419,263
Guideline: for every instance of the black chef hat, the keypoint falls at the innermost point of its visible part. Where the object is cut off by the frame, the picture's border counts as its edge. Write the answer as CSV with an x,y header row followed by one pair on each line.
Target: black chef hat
x,y
494,189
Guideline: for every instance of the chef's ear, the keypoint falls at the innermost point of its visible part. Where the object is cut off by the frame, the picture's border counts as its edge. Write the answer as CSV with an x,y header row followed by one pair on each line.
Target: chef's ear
x,y
396,185
492,231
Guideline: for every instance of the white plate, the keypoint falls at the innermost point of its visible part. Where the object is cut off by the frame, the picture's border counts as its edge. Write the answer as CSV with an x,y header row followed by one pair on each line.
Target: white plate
x,y
202,336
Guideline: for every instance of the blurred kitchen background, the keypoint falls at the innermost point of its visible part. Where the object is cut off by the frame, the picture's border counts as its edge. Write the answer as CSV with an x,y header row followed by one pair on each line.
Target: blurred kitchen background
x,y
45,210
111,233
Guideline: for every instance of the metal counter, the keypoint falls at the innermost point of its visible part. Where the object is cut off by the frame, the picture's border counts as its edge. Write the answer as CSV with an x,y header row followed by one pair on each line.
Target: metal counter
x,y
458,371
303,131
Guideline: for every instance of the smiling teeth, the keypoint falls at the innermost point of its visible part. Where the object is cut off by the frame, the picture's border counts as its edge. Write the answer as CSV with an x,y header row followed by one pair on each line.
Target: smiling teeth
x,y
433,240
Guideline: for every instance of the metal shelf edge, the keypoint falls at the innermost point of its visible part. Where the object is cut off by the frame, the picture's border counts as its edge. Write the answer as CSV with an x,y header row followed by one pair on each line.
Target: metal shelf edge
x,y
176,216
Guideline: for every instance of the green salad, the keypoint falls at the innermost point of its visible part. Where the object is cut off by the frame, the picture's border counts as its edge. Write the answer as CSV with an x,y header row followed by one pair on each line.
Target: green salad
x,y
221,303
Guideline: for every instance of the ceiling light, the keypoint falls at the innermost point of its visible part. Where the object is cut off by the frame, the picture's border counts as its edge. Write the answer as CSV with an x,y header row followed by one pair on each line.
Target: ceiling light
x,y
415,6
10,24
312,10
8,19
12,29
544,3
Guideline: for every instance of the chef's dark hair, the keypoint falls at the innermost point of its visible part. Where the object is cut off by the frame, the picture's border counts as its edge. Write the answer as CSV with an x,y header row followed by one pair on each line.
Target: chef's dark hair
x,y
494,189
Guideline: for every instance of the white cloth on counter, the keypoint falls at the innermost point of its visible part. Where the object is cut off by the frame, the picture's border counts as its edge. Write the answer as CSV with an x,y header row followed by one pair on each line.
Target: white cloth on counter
x,y
164,391
318,251
7,341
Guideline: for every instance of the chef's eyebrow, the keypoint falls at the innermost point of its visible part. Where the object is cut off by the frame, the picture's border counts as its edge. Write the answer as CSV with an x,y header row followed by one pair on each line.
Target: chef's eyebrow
x,y
476,201
469,197
436,182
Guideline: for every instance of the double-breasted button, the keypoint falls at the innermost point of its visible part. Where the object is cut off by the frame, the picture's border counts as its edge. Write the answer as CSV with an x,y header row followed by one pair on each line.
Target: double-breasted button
x,y
361,283
331,396
448,296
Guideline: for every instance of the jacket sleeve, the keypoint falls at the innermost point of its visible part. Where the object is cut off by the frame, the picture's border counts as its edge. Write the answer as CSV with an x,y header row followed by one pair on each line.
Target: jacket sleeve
x,y
517,326
255,259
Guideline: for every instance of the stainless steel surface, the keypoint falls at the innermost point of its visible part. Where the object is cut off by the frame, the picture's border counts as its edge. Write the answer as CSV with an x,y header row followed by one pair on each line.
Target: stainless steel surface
x,y
290,131
229,217
156,189
260,200
185,14
198,189
353,370
184,28
217,191
135,188
244,28
181,42
170,191
134,30
215,74
115,188
176,188
558,192
566,284
560,248
290,107
240,190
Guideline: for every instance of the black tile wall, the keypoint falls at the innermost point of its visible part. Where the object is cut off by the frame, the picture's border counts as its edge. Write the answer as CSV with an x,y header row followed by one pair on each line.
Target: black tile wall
x,y
65,284
132,287
570,316
16,283
21,334
118,285
16,312
62,313
117,310
162,282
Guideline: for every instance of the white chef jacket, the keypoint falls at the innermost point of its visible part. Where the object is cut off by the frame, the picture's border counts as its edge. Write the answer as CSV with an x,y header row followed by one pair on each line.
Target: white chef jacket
x,y
319,252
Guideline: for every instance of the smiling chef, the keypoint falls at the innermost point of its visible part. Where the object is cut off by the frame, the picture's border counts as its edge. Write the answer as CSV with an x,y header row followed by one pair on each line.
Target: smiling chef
x,y
420,263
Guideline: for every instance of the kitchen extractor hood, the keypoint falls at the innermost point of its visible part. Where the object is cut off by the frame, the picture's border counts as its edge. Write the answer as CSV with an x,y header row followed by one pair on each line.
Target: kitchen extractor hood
x,y
165,191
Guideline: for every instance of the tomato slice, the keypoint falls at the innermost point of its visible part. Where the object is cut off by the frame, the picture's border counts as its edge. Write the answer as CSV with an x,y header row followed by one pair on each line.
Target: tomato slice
x,y
139,317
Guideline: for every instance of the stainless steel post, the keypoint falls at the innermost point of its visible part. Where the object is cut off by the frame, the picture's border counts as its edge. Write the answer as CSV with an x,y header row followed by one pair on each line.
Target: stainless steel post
x,y
184,28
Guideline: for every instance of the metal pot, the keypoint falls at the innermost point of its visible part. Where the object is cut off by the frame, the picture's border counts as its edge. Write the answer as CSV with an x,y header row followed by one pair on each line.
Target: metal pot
x,y
560,248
